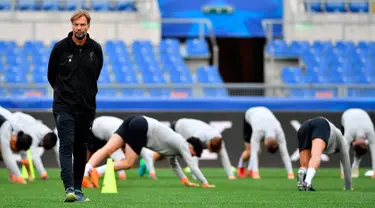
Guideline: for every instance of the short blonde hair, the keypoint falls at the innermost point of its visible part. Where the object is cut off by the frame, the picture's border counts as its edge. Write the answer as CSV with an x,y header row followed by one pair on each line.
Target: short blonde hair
x,y
80,13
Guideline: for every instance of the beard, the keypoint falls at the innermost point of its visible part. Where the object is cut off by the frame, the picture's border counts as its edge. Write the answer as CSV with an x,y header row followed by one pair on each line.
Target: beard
x,y
79,35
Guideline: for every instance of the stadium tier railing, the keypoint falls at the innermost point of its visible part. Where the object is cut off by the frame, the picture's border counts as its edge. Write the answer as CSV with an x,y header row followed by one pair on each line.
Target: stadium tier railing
x,y
227,90
223,104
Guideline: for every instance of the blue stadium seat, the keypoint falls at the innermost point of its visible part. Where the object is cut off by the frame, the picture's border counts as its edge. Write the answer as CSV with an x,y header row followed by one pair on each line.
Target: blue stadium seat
x,y
100,5
358,6
115,44
33,44
39,78
131,92
364,45
341,63
104,77
39,60
197,48
153,78
14,77
3,92
322,46
119,59
105,92
354,92
17,69
335,76
5,4
120,68
156,92
26,5
172,59
345,45
156,78
2,67
215,92
208,75
16,92
8,44
181,68
181,77
86,5
67,5
142,46
50,5
171,46
128,77
313,5
53,43
335,6
297,48
277,48
167,68
291,75
125,5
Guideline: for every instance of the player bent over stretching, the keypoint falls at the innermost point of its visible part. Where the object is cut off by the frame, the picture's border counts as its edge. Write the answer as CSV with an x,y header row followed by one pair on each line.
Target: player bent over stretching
x,y
358,130
261,124
139,131
102,130
210,138
315,136
9,143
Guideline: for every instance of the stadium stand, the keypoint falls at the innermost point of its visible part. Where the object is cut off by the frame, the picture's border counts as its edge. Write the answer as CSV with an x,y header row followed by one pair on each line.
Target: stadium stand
x,y
337,5
134,66
69,5
324,62
139,63
328,52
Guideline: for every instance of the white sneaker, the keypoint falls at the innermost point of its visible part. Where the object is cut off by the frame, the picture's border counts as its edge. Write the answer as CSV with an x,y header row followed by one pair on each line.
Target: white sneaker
x,y
355,173
369,173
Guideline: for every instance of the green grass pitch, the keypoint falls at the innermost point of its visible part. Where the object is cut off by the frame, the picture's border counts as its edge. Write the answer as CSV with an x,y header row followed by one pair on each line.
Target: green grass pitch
x,y
273,190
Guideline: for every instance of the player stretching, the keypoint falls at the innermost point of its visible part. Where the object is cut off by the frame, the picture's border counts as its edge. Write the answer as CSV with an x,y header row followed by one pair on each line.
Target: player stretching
x,y
139,131
261,124
315,136
209,136
41,136
102,130
13,140
358,130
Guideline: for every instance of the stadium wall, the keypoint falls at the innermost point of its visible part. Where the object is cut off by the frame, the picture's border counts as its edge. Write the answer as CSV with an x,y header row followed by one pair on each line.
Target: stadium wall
x,y
51,26
231,126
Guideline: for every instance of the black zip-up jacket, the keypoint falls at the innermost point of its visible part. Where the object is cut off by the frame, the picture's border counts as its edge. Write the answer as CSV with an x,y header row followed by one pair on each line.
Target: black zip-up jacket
x,y
73,72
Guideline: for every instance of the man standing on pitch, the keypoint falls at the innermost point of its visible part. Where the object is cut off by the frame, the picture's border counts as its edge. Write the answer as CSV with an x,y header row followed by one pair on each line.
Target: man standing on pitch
x,y
73,70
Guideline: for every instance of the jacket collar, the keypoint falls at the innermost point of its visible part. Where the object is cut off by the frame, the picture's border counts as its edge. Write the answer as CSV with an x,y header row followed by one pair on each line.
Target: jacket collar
x,y
88,39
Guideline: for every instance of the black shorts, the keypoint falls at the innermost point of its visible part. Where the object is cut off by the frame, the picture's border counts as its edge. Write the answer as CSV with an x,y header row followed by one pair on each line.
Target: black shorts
x,y
342,129
94,143
311,129
2,120
134,132
173,125
247,131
